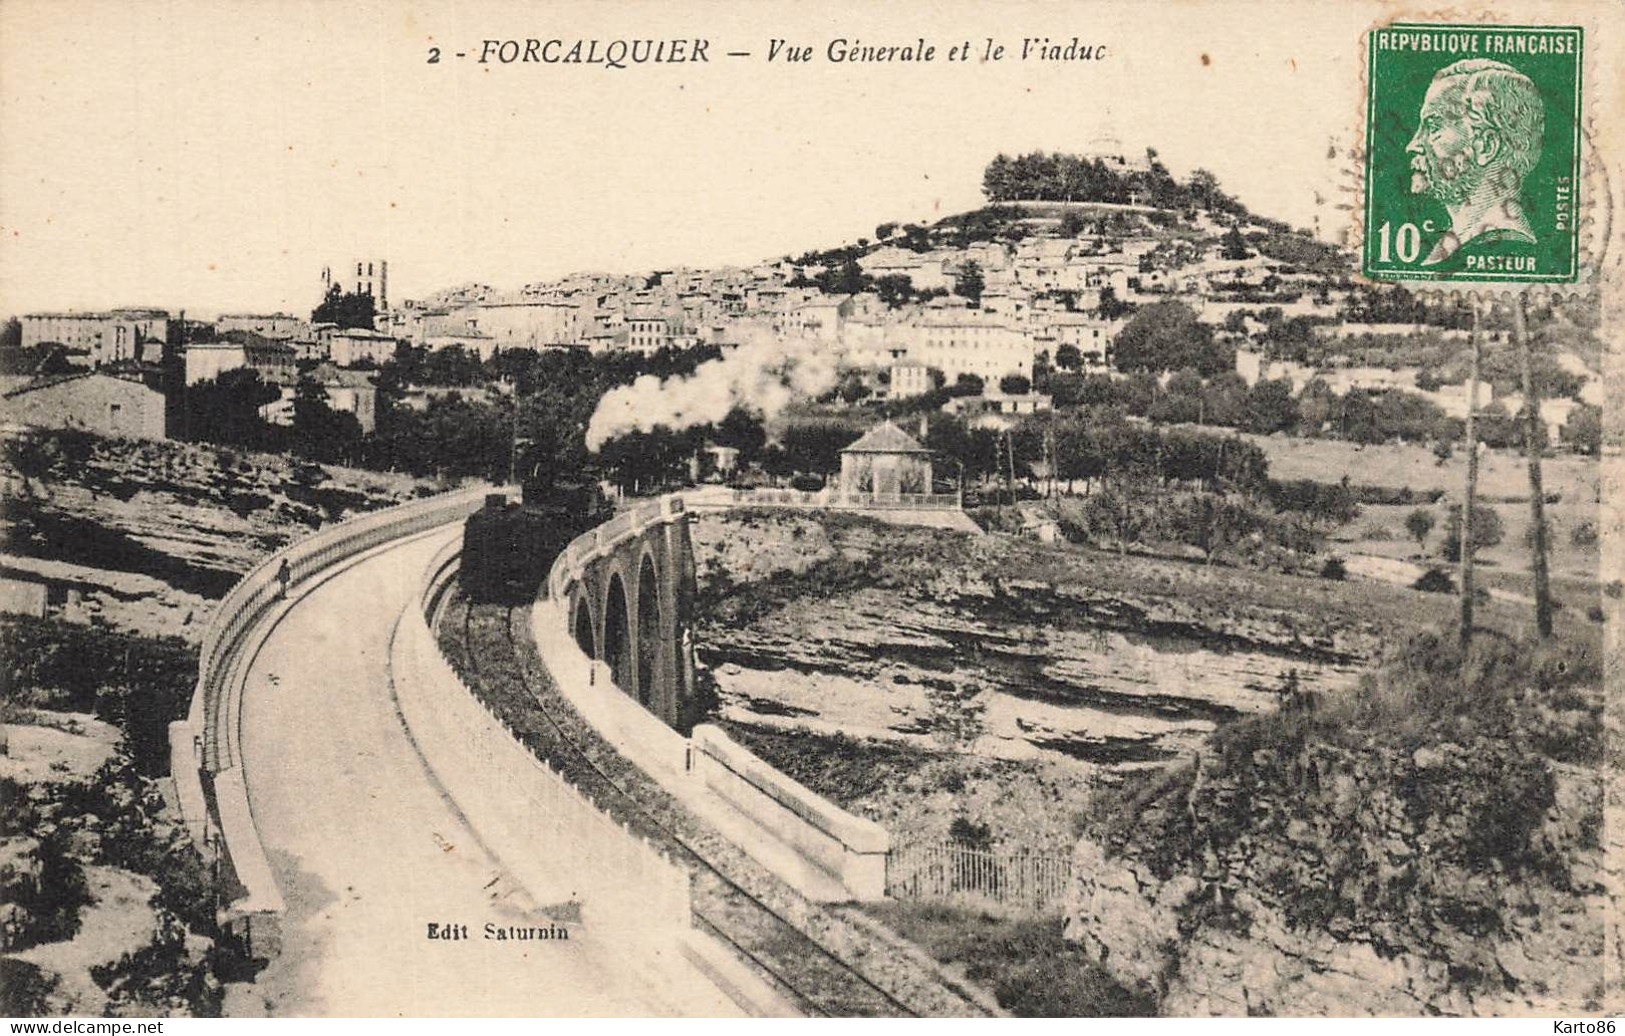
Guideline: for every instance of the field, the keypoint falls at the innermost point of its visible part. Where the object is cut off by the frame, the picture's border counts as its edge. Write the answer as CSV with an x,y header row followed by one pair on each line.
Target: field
x,y
1572,488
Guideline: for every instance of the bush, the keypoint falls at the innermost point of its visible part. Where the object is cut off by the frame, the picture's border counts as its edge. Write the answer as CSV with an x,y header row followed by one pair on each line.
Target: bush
x,y
162,975
1032,969
25,989
139,684
1435,581
996,519
970,834
1487,530
1333,569
1401,497
1419,523
1331,502
1584,534
46,907
1459,743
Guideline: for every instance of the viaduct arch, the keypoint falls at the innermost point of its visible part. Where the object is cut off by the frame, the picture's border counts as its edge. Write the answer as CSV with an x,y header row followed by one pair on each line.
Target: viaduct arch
x,y
629,586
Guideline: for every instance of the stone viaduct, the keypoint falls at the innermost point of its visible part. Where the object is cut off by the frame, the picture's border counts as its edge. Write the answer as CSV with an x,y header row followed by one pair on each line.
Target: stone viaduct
x,y
628,587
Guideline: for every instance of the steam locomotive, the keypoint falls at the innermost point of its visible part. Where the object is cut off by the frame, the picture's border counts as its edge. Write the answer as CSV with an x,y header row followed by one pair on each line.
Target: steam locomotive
x,y
508,548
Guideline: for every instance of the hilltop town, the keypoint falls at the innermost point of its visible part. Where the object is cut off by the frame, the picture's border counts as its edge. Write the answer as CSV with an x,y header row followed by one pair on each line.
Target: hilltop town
x,y
1224,479
1099,265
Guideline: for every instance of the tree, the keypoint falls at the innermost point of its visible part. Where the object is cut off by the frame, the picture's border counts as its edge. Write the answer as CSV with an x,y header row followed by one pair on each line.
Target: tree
x,y
1226,399
845,279
895,289
320,432
1583,431
1419,523
885,230
998,180
453,436
346,309
552,431
1233,245
1015,385
225,410
1110,307
967,384
1210,522
817,447
776,462
743,430
1487,531
1068,357
851,388
970,283
1204,189
1180,401
1271,407
1165,336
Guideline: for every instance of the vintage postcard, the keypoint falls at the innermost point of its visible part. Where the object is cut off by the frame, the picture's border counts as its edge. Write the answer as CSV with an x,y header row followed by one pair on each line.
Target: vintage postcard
x,y
718,509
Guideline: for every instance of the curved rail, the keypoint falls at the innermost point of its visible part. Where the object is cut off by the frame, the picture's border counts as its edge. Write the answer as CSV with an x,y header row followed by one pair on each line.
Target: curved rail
x,y
515,802
205,752
837,981
818,980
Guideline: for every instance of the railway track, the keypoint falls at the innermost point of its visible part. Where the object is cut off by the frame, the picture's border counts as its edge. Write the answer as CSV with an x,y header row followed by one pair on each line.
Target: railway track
x,y
818,981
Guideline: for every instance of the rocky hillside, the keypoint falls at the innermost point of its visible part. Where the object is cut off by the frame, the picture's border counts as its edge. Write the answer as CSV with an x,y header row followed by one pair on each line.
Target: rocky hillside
x,y
1428,845
1068,651
922,676
144,535
108,908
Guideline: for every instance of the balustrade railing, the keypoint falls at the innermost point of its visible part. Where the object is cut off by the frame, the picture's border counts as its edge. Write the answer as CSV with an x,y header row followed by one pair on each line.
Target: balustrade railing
x,y
517,802
262,588
204,746
1027,883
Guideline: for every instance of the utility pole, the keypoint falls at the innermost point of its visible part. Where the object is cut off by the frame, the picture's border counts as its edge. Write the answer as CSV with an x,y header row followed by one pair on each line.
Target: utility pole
x,y
1010,453
1464,537
1533,444
176,361
513,438
1049,452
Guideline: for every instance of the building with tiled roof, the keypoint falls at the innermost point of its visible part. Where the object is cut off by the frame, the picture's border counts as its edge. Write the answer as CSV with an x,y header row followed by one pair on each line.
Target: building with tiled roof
x,y
885,462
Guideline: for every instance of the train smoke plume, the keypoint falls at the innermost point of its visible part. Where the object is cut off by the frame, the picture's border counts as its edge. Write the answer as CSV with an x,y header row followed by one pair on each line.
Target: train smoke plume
x,y
764,373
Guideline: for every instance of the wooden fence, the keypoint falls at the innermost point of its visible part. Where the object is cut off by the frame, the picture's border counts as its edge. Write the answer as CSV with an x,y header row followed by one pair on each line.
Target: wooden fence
x,y
1019,882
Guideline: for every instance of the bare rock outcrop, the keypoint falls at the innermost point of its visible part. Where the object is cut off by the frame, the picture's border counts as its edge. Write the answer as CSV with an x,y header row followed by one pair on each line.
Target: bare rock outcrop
x,y
1409,924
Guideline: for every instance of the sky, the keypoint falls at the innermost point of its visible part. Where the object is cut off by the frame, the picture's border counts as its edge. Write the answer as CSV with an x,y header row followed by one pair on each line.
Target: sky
x,y
214,156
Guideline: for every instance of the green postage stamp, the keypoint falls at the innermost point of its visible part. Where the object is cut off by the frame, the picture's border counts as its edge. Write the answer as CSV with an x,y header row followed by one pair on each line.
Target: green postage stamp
x,y
1472,153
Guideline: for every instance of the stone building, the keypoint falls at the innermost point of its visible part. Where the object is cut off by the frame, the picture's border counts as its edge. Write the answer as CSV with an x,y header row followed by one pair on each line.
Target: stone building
x,y
274,362
266,325
348,392
885,462
115,336
349,346
91,402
